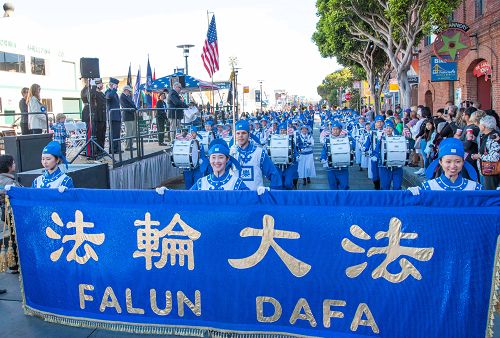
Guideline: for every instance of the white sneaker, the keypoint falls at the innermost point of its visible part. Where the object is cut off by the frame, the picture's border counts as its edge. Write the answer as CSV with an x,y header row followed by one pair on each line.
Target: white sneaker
x,y
419,171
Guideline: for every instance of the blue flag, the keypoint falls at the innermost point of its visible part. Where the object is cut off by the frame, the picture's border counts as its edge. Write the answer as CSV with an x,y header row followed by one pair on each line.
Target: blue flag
x,y
149,80
137,96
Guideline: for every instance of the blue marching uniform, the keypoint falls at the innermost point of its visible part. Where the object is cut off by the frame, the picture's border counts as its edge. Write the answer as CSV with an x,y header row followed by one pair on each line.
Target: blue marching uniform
x,y
255,163
388,175
55,180
338,178
444,183
370,144
227,181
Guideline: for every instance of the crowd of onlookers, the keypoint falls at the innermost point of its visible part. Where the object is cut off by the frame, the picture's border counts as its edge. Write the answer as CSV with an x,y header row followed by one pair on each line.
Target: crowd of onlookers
x,y
477,129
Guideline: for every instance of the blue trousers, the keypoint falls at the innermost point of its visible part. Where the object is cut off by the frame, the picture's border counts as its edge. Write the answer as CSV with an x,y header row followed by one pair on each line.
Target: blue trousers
x,y
288,174
338,179
375,171
191,176
392,175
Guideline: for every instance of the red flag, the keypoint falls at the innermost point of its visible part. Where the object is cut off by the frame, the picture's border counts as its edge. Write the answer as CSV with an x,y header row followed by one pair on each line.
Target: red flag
x,y
210,55
154,94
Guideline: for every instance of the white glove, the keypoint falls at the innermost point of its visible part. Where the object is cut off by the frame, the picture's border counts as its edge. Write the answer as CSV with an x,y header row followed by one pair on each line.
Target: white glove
x,y
161,190
8,186
261,190
373,158
62,189
414,190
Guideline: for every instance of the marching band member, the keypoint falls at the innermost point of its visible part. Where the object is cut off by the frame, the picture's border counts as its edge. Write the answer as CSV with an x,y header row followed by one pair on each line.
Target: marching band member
x,y
288,173
220,129
305,144
254,161
192,175
369,146
388,175
365,157
209,127
357,132
451,161
325,133
221,178
338,178
52,176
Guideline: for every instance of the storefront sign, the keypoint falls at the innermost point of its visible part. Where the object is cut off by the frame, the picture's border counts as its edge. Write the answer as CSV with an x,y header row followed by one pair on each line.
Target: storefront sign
x,y
443,71
483,68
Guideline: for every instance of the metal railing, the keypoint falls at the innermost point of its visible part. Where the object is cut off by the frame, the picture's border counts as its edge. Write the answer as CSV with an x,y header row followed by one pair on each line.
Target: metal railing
x,y
143,120
31,113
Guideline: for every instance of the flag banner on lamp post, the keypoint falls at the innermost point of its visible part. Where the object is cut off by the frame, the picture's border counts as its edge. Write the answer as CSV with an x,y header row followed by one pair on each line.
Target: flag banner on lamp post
x,y
327,264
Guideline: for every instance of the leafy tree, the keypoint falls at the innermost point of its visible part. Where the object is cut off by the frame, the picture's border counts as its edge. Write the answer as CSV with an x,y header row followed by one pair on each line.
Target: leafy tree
x,y
393,26
334,84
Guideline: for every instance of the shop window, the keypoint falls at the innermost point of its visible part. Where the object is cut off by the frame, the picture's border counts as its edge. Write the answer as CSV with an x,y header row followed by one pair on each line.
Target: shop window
x,y
37,66
10,62
479,8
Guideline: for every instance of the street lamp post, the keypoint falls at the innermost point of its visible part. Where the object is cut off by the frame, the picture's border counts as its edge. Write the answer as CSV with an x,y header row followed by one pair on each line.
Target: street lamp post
x,y
185,53
260,82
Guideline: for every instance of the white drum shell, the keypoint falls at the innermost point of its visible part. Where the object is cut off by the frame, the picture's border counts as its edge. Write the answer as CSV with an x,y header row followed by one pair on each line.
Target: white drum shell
x,y
281,149
340,153
185,154
206,138
394,151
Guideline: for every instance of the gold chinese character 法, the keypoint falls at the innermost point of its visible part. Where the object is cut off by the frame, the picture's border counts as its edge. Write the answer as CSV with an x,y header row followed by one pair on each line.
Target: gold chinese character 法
x,y
392,252
175,245
80,237
268,234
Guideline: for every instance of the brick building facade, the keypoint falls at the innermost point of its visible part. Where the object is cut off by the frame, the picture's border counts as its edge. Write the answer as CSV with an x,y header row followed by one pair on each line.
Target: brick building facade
x,y
483,18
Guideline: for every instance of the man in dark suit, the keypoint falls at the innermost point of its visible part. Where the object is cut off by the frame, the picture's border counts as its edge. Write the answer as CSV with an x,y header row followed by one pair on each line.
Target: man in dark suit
x,y
113,110
161,118
128,116
23,108
99,112
175,101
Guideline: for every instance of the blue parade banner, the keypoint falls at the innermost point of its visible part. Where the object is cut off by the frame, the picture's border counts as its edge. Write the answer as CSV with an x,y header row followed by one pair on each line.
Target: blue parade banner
x,y
326,263
442,70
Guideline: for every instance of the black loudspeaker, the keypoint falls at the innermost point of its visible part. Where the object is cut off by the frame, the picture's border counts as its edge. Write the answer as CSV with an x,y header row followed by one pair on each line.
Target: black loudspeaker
x,y
93,176
89,68
27,150
180,79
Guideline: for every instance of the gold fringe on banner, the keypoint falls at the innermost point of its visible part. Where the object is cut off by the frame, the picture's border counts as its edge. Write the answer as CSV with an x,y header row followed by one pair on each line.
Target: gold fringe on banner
x,y
151,328
494,298
3,258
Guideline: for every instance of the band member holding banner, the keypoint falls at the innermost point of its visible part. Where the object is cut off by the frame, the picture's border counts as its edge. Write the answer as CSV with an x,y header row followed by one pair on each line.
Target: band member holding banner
x,y
52,176
221,178
338,176
451,161
254,162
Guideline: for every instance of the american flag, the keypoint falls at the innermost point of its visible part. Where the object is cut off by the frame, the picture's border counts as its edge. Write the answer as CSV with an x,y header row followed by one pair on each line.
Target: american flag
x,y
210,55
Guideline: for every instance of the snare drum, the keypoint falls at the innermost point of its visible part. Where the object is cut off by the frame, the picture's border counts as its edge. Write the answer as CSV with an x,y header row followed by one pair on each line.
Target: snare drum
x,y
206,138
281,149
340,154
394,151
185,154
